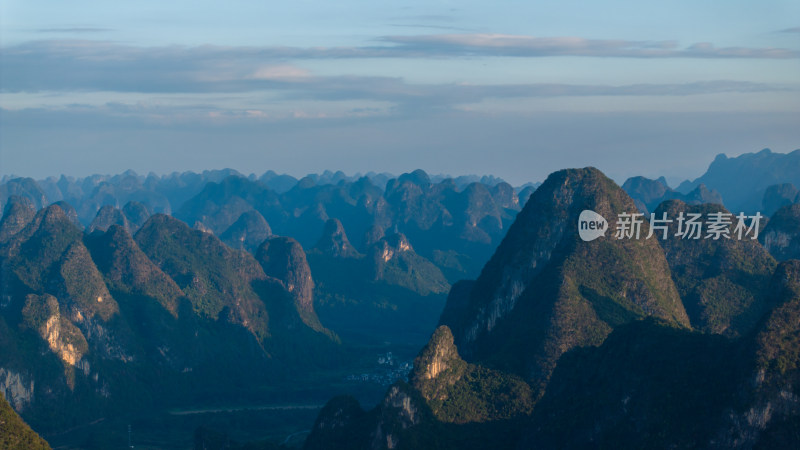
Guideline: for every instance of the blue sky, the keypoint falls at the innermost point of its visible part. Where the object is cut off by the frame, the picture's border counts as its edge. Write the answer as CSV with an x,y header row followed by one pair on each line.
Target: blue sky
x,y
514,89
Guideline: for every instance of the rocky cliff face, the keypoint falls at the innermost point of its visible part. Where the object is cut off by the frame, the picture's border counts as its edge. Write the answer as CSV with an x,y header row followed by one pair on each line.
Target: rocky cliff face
x,y
769,416
778,196
42,314
17,389
438,366
103,323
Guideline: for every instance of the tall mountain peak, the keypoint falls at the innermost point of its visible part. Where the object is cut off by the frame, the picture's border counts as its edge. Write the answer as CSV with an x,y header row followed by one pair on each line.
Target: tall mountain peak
x,y
548,288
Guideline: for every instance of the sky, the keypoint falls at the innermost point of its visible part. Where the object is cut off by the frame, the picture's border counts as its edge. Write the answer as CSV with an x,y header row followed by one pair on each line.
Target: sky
x,y
516,89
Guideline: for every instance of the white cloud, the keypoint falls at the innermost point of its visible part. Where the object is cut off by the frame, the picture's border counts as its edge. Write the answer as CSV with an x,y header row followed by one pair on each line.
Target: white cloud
x,y
279,72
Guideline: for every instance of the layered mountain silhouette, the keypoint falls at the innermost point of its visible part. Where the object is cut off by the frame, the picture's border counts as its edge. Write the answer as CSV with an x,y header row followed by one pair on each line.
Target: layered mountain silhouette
x,y
132,216
391,293
454,227
648,194
743,180
111,308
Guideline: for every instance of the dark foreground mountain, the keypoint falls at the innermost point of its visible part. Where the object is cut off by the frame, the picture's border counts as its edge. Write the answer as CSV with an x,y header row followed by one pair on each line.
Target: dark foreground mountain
x,y
658,387
545,291
569,344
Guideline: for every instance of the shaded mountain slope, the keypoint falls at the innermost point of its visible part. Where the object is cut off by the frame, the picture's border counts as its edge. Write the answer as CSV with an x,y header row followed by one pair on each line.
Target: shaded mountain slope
x,y
214,277
722,282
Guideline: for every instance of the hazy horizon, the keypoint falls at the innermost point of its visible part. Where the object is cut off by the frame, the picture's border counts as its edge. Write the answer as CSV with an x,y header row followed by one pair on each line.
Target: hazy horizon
x,y
512,89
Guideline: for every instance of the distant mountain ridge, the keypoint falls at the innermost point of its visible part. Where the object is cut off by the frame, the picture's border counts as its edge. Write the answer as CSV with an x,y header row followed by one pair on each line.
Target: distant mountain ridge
x,y
166,193
152,289
648,194
742,180
455,222
456,229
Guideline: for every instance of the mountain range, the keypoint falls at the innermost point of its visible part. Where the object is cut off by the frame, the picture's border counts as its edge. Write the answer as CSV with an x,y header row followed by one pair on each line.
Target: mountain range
x,y
619,343
128,297
110,322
